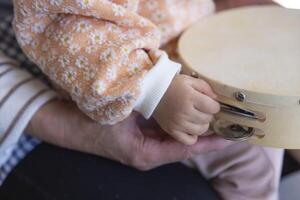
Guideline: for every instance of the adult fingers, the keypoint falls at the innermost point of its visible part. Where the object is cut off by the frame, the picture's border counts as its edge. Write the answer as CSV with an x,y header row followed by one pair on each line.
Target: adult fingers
x,y
210,143
169,151
164,152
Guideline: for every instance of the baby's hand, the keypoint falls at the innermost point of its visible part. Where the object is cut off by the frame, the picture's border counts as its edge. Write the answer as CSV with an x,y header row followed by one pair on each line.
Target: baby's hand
x,y
186,109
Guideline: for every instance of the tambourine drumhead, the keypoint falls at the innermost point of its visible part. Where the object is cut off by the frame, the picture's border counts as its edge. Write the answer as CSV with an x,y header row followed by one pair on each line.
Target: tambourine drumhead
x,y
253,48
251,58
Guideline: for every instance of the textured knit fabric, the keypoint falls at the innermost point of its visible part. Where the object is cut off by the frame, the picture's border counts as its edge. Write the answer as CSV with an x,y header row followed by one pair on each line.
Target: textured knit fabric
x,y
100,50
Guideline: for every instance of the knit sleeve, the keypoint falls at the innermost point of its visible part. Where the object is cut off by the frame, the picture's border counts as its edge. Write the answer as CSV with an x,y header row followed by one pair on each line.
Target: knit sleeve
x,y
99,51
95,50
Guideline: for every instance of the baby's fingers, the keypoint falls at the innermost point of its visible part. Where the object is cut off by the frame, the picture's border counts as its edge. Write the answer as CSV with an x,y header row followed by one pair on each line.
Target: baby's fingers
x,y
184,138
197,117
197,129
203,87
206,104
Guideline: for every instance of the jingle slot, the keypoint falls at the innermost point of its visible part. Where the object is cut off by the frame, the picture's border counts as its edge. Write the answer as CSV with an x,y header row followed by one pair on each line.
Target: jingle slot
x,y
242,112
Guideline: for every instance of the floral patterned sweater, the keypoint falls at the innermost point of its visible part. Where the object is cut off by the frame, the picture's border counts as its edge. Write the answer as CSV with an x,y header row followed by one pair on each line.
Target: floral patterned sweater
x,y
105,53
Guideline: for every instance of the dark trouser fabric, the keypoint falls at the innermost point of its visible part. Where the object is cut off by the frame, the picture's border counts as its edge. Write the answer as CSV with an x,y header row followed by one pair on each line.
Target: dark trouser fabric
x,y
50,173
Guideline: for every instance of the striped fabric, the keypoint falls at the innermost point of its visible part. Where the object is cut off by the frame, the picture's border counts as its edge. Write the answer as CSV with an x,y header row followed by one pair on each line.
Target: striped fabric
x,y
14,145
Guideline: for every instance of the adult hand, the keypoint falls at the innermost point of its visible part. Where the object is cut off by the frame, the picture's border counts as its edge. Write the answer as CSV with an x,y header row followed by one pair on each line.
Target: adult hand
x,y
134,142
227,4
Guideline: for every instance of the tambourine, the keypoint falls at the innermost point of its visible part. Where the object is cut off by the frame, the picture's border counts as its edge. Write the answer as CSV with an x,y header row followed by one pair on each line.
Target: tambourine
x,y
251,58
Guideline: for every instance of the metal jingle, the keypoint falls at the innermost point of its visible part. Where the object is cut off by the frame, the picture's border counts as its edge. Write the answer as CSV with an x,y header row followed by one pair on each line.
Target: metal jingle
x,y
235,132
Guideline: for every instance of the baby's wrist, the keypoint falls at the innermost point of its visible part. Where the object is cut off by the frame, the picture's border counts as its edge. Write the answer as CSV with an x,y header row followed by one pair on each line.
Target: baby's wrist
x,y
155,85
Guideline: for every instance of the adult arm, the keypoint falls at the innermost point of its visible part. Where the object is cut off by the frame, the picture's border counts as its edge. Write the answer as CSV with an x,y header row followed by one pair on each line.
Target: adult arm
x,y
133,142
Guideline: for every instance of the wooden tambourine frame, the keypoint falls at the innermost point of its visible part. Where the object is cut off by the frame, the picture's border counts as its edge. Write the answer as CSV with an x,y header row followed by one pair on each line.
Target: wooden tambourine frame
x,y
263,118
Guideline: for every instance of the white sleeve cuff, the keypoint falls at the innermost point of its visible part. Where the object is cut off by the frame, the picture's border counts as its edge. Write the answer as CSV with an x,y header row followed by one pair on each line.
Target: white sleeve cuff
x,y
155,84
21,95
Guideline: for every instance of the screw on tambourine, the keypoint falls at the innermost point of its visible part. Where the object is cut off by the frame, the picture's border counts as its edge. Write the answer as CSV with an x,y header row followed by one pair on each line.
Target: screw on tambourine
x,y
240,96
194,75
